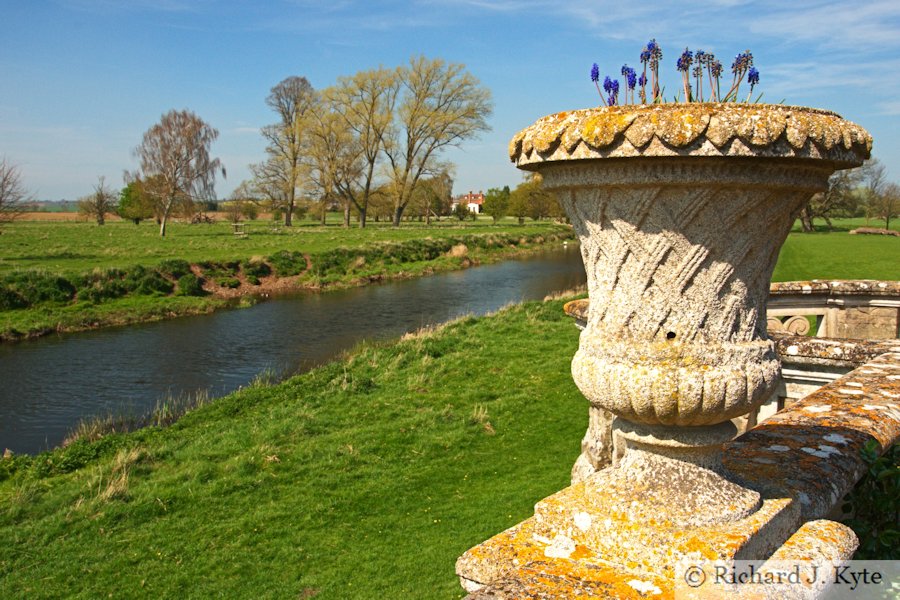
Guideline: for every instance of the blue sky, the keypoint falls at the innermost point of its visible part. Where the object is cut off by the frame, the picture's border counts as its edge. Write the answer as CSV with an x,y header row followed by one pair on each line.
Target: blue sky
x,y
81,80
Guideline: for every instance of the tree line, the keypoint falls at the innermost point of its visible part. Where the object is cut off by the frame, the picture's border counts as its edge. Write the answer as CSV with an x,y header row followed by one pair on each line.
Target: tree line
x,y
374,139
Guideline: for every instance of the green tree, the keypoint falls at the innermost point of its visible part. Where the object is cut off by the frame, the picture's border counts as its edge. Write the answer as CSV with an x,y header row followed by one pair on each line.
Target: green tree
x,y
496,202
532,200
432,196
518,203
440,105
364,107
175,164
461,211
134,204
887,204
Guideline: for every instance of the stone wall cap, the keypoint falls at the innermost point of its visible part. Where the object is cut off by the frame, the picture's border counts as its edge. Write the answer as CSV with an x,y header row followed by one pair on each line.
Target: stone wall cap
x,y
837,287
695,129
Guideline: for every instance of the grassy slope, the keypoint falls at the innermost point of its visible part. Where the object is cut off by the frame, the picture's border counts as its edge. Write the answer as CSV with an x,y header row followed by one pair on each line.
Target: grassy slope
x,y
360,479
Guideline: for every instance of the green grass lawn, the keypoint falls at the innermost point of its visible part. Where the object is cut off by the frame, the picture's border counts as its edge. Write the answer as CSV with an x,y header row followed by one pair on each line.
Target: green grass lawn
x,y
71,248
838,255
364,478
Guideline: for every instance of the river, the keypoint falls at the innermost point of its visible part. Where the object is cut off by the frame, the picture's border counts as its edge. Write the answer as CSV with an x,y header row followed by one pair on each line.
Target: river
x,y
48,385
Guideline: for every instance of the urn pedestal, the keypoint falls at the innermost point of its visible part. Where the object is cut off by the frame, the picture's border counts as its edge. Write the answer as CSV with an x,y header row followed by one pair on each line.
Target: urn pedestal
x,y
681,211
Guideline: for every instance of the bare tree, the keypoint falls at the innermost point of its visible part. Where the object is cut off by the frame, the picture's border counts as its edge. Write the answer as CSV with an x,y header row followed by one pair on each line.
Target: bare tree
x,y
99,203
841,198
174,156
13,195
887,203
874,180
364,106
441,105
291,100
271,183
432,194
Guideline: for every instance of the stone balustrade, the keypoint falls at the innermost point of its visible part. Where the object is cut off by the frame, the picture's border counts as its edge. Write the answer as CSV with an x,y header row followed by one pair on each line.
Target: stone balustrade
x,y
804,459
841,309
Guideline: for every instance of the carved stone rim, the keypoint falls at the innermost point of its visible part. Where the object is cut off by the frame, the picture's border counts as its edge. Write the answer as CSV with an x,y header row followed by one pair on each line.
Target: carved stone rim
x,y
696,129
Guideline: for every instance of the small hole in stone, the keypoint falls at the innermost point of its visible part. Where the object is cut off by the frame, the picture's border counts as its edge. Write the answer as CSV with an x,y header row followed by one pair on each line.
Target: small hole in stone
x,y
670,335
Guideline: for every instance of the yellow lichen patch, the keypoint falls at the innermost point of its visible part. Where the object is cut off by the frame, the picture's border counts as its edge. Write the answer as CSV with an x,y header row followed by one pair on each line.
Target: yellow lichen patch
x,y
832,133
761,127
515,145
571,135
797,129
695,545
601,130
547,133
527,144
680,125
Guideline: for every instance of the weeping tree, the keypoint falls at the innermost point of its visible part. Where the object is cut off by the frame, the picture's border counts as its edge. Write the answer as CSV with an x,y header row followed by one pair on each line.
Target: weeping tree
x,y
175,164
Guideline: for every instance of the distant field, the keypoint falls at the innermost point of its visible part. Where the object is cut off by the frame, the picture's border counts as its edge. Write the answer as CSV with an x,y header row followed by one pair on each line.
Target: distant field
x,y
76,247
839,255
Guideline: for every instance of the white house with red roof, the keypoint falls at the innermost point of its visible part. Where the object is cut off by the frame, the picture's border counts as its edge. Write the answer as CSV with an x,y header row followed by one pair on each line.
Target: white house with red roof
x,y
473,201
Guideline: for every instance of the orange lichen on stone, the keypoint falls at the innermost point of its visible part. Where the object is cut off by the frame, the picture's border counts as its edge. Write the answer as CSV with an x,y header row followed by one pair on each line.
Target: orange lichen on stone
x,y
548,134
491,568
515,145
811,450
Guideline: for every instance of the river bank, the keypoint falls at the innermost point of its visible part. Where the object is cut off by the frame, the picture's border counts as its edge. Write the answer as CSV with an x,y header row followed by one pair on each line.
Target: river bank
x,y
38,303
367,475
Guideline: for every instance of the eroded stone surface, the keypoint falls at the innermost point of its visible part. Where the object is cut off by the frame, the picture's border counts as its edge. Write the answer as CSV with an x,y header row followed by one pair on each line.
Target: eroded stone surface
x,y
863,405
691,129
674,335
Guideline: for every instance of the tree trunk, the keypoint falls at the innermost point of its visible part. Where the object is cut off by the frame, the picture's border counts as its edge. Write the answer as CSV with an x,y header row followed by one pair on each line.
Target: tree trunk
x,y
347,215
806,220
162,227
289,214
398,214
362,218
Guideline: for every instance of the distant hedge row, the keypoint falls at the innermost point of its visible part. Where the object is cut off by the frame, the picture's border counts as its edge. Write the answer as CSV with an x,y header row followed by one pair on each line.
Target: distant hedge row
x,y
23,289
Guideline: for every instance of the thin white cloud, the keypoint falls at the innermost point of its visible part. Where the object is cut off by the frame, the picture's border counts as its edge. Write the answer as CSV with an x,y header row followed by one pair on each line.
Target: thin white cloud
x,y
889,108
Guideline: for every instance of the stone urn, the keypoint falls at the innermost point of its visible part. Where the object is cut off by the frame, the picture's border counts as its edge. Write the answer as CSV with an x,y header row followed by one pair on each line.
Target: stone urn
x,y
681,210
